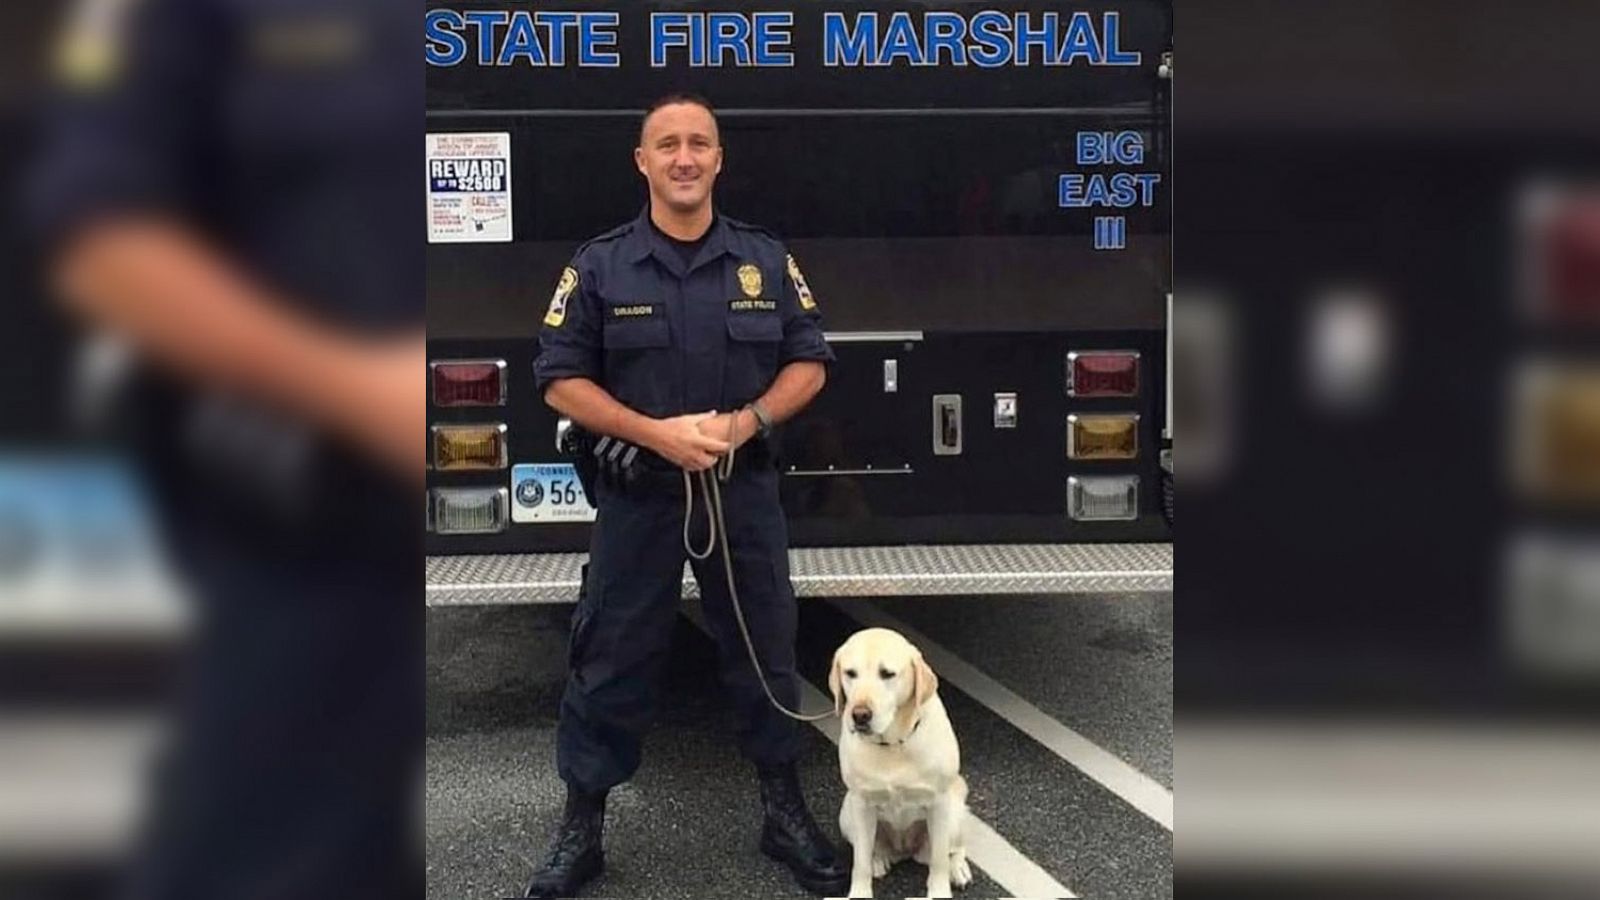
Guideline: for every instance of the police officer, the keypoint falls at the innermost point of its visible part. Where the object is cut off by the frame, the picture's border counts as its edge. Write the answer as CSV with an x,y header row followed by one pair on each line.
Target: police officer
x,y
688,334
226,187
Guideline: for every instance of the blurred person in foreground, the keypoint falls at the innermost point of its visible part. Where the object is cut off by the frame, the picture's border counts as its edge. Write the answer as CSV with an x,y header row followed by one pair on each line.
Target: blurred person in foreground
x,y
225,188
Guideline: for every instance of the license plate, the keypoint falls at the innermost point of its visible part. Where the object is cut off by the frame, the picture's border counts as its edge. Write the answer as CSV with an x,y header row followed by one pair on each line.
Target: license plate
x,y
548,492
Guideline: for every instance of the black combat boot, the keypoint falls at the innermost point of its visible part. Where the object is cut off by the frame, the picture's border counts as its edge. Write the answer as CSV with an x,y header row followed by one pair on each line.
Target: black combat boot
x,y
575,857
790,836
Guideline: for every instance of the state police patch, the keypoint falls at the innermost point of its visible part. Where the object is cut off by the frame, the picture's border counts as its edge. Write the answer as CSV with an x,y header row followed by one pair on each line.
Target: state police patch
x,y
558,302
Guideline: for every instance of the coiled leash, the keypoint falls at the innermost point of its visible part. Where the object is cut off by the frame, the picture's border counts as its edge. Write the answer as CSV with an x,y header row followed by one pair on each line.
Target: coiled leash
x,y
717,527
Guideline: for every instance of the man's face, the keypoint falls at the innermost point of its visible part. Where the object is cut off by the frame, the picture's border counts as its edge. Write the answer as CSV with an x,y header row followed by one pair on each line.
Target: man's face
x,y
680,155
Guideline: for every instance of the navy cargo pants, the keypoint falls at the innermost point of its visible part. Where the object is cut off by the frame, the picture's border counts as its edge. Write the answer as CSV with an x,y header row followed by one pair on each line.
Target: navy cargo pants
x,y
622,628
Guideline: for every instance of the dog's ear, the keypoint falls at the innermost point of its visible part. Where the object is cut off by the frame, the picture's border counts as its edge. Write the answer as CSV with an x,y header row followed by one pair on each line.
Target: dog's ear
x,y
836,683
924,681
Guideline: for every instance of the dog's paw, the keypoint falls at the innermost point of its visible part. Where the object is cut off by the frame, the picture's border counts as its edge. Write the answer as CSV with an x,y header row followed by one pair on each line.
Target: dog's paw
x,y
960,871
880,865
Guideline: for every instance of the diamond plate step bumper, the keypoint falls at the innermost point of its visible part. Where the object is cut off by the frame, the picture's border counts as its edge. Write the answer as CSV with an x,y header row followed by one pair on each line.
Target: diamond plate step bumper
x,y
841,572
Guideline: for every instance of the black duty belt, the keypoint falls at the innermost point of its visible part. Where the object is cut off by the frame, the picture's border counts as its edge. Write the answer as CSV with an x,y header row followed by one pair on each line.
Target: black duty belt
x,y
632,468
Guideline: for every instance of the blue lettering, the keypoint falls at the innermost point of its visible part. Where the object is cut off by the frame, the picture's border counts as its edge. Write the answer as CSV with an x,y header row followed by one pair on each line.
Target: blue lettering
x,y
1069,191
559,24
591,39
1095,194
1110,232
1043,37
446,47
1080,41
991,39
1091,148
1127,148
943,31
1099,148
521,41
770,42
1147,187
485,20
841,49
665,32
1122,190
900,40
1114,54
730,31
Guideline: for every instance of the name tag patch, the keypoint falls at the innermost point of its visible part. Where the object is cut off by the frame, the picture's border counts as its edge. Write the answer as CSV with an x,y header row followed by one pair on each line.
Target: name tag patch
x,y
637,311
752,305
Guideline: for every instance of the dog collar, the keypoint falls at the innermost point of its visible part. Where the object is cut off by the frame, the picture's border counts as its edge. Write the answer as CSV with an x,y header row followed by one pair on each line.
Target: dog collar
x,y
914,727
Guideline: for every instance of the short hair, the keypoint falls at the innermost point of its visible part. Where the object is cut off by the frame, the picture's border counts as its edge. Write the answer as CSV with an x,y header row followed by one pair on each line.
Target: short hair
x,y
674,99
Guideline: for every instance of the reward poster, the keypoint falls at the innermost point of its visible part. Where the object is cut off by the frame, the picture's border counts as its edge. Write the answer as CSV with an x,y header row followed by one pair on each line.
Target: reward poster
x,y
469,187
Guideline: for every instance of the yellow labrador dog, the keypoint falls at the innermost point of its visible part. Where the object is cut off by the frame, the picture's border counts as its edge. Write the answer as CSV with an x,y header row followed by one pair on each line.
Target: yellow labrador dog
x,y
900,761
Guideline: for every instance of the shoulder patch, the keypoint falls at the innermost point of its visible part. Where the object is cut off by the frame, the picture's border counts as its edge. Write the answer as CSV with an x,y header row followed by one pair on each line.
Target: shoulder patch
x,y
806,300
557,313
89,51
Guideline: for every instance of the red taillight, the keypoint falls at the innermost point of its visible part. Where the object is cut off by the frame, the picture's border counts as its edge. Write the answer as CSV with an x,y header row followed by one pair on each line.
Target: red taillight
x,y
1103,373
469,382
1572,262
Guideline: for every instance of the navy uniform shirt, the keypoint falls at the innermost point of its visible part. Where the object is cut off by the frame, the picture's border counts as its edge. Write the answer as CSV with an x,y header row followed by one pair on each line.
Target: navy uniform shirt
x,y
283,130
667,339
284,133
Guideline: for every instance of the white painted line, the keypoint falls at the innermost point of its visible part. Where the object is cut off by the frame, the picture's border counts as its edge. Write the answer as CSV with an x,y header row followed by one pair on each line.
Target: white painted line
x,y
1019,875
986,849
1135,788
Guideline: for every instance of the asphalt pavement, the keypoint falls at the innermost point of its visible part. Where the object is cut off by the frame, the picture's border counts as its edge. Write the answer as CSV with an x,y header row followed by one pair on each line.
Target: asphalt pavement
x,y
1063,706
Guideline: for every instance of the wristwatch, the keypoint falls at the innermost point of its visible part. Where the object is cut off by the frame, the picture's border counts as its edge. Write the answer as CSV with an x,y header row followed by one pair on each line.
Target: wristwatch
x,y
763,421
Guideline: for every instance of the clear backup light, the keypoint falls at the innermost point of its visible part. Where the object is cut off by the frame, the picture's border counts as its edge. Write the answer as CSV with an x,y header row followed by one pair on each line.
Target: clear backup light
x,y
460,448
1103,373
470,510
1110,436
469,382
1103,498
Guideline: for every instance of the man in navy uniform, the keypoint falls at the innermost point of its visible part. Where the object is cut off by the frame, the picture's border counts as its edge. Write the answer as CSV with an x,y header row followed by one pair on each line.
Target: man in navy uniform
x,y
226,188
688,334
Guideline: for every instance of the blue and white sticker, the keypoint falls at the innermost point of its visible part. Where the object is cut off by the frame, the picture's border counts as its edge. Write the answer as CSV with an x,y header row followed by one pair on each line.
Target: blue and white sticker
x,y
469,187
548,492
